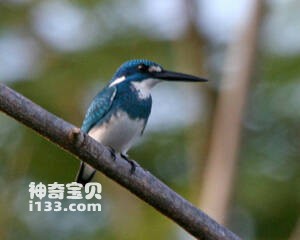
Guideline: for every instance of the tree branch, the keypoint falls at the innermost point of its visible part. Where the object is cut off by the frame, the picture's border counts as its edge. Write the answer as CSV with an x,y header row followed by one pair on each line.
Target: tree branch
x,y
141,183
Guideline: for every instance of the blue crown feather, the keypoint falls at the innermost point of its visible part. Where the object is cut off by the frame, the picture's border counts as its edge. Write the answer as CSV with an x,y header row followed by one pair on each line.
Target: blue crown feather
x,y
130,66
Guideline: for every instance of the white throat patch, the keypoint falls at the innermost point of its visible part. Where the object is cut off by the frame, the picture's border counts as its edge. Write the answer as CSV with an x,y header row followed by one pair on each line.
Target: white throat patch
x,y
143,88
117,80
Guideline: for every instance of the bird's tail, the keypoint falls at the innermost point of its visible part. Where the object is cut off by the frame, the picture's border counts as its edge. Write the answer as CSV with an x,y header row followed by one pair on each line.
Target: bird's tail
x,y
85,173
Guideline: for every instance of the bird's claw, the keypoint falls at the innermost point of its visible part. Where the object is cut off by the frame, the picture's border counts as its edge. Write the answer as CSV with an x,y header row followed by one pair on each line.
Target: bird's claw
x,y
112,153
133,164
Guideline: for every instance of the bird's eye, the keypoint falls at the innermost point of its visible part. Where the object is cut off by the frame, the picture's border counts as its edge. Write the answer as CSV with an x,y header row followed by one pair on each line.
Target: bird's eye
x,y
142,68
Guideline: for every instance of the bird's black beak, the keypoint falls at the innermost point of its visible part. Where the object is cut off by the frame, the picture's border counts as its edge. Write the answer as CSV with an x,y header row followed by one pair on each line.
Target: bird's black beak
x,y
175,76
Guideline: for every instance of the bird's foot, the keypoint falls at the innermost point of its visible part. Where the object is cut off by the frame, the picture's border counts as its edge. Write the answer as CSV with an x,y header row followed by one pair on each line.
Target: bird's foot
x,y
133,163
112,153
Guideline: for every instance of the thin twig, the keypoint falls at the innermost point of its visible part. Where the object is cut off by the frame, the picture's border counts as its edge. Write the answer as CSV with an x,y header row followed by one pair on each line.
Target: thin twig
x,y
142,183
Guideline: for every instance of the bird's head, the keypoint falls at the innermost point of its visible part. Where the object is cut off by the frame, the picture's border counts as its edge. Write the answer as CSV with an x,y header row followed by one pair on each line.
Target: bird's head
x,y
147,74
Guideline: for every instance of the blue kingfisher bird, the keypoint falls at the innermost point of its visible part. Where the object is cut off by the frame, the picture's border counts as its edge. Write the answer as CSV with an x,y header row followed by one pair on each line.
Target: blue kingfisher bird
x,y
119,113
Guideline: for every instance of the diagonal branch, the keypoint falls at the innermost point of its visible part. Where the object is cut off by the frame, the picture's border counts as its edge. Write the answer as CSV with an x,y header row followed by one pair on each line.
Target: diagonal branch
x,y
142,183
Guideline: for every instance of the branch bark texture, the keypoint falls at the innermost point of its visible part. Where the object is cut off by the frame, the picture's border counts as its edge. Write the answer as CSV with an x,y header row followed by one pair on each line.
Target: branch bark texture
x,y
141,183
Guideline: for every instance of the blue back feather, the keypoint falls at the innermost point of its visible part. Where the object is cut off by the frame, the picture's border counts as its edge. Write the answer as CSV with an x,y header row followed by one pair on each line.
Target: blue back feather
x,y
99,107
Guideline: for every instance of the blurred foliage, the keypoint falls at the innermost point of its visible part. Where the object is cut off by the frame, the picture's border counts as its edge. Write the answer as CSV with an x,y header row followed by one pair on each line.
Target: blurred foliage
x,y
266,203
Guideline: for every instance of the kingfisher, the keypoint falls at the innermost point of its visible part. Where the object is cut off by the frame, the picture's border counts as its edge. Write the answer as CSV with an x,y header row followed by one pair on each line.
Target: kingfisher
x,y
119,113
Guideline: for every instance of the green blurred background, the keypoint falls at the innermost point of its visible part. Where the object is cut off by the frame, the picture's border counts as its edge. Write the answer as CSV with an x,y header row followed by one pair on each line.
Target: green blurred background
x,y
61,53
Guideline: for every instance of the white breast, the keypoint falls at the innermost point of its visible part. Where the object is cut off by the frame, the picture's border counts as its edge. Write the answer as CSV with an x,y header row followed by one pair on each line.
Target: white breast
x,y
119,132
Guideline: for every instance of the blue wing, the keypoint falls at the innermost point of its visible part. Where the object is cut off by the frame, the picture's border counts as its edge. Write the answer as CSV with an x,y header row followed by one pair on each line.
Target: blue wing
x,y
99,107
